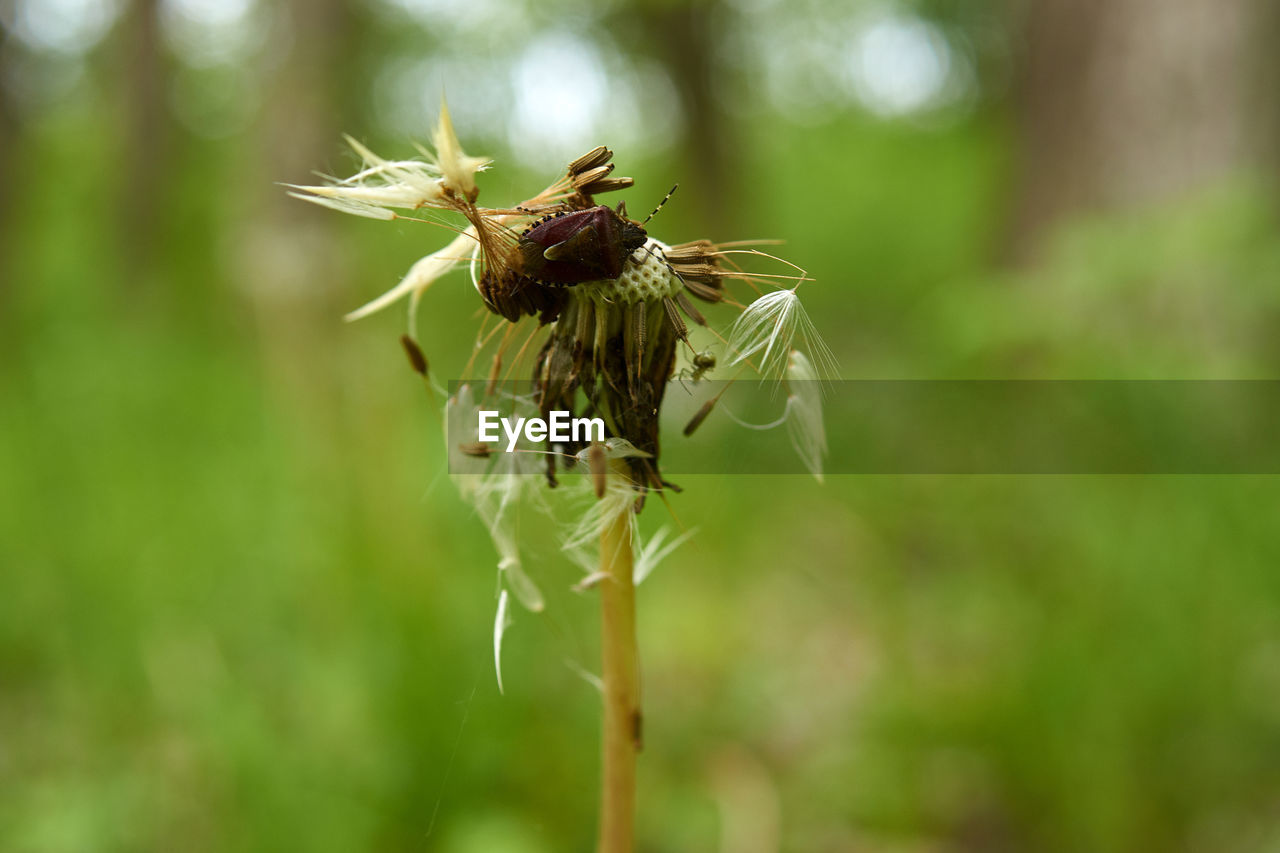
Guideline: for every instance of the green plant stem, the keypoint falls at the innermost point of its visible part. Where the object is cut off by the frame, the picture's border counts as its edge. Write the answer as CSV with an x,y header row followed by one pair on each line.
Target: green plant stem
x,y
620,671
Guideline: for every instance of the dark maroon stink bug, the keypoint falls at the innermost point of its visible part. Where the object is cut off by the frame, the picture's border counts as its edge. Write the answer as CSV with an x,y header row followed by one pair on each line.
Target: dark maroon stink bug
x,y
585,245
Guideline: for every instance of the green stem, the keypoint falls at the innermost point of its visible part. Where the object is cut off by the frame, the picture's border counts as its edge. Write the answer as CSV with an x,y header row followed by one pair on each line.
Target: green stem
x,y
620,671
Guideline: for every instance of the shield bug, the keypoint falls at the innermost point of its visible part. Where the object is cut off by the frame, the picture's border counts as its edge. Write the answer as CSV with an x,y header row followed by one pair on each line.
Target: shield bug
x,y
563,249
579,246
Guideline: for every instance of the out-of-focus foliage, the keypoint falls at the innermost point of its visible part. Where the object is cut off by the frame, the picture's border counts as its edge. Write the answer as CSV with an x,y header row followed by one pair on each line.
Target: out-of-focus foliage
x,y
242,607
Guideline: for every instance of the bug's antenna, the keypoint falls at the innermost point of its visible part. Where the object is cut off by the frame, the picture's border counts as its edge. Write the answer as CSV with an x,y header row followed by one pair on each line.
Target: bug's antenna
x,y
660,204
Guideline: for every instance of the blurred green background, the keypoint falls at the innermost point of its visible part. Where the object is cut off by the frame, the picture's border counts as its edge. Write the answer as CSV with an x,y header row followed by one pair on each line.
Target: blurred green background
x,y
242,607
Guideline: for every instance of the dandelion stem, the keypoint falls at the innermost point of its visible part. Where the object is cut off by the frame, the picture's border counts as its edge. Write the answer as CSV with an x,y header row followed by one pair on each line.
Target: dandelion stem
x,y
620,669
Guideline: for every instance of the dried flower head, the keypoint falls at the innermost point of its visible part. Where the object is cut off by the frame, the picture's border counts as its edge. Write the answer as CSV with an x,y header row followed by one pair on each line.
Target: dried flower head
x,y
591,307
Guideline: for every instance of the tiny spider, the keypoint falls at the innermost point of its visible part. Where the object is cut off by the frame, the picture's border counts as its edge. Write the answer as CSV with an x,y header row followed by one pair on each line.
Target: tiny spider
x,y
701,364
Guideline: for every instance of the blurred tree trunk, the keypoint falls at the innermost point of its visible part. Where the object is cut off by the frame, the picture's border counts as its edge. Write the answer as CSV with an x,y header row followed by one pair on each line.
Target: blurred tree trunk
x,y
1125,102
147,138
310,96
9,135
288,260
291,268
686,40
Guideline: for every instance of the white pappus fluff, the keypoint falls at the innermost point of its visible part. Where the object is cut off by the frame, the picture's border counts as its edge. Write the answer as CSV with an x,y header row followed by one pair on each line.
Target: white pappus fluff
x,y
768,330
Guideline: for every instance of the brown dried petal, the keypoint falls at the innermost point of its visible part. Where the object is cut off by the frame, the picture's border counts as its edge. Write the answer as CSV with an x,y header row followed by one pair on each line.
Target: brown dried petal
x,y
703,291
690,311
598,173
607,185
597,156
682,331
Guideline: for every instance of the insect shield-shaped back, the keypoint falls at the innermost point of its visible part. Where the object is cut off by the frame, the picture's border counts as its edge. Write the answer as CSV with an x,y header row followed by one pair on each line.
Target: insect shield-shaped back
x,y
562,249
586,245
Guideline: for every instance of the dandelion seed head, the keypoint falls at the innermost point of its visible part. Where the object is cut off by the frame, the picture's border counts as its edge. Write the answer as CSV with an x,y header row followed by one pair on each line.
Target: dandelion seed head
x,y
646,278
606,346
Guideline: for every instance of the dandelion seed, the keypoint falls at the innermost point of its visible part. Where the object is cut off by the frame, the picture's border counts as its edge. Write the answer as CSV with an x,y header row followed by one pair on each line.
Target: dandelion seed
x,y
804,413
586,675
494,499
653,552
589,582
700,416
612,448
501,621
493,484
476,449
327,197
379,189
522,585
458,169
769,327
440,180
421,275
417,359
585,531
